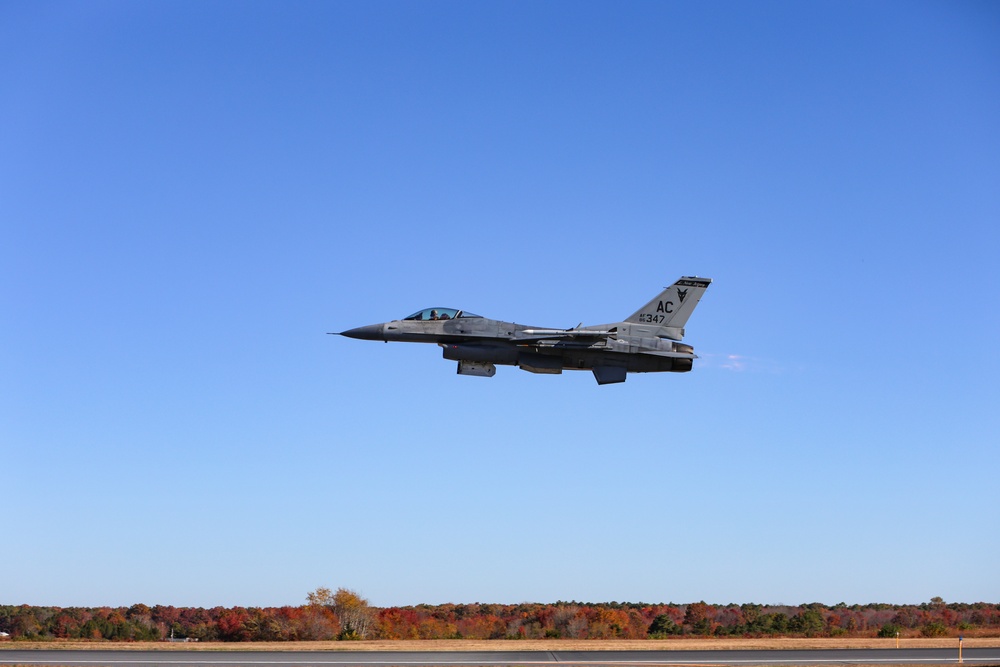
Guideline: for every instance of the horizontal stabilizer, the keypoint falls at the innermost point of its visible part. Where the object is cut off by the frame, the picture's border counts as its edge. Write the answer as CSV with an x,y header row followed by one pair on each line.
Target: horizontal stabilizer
x,y
609,374
671,355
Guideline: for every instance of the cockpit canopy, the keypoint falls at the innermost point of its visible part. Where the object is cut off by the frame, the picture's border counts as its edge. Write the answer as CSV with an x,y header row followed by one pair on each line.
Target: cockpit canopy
x,y
439,314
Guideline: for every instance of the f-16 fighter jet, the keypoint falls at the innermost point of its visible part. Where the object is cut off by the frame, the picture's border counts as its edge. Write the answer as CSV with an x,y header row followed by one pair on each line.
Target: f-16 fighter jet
x,y
645,342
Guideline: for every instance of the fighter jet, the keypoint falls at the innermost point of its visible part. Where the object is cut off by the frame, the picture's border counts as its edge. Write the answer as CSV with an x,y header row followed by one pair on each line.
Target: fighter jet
x,y
645,342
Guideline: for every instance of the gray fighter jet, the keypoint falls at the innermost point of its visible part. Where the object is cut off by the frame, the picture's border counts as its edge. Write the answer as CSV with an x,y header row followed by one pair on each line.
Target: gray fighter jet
x,y
646,342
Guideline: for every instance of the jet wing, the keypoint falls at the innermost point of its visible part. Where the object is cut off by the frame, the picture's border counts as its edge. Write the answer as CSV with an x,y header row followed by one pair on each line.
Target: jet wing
x,y
548,334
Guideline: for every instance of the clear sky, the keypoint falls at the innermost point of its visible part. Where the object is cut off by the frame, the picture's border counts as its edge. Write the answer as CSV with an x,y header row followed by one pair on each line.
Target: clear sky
x,y
193,193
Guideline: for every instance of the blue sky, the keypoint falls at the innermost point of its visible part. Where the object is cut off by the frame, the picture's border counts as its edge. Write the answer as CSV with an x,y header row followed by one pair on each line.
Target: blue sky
x,y
192,194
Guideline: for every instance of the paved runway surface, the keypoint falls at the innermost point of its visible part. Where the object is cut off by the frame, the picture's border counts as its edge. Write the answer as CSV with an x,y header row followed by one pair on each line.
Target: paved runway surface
x,y
976,656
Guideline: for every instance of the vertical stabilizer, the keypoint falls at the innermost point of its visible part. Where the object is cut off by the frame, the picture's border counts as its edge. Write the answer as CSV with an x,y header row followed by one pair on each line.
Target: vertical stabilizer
x,y
672,307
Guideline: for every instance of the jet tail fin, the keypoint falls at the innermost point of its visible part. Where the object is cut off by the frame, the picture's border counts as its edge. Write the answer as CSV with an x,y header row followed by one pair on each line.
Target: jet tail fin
x,y
672,307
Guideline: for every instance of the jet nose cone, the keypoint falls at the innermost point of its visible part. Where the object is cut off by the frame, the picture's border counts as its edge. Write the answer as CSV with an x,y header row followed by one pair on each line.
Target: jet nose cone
x,y
370,332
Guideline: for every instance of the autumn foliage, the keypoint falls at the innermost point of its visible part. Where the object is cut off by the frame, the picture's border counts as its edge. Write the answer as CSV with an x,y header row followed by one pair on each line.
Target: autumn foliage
x,y
346,615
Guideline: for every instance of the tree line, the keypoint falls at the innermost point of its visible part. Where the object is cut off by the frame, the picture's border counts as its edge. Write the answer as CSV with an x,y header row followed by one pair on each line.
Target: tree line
x,y
345,615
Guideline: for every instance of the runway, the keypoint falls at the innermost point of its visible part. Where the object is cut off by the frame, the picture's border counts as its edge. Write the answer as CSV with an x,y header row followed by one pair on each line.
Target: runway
x,y
737,658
